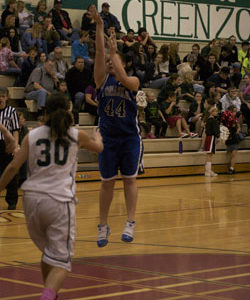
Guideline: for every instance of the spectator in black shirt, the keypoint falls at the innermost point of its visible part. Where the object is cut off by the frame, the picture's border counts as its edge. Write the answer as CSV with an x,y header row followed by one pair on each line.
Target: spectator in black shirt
x,y
109,19
78,79
88,23
221,80
11,9
62,22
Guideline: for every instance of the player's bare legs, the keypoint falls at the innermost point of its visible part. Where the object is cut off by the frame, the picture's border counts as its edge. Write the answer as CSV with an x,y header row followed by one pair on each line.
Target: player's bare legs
x,y
105,199
130,192
53,280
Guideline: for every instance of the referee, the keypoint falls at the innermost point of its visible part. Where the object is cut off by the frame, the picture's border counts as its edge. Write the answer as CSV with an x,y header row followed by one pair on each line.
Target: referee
x,y
9,119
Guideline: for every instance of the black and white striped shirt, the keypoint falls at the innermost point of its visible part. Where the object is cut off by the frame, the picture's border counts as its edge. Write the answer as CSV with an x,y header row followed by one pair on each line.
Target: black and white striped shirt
x,y
9,118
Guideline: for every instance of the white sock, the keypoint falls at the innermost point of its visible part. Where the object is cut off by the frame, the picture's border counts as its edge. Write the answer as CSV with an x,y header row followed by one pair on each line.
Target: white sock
x,y
208,166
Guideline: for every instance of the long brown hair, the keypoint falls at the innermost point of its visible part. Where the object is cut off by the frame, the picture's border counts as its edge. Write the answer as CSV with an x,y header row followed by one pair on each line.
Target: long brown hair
x,y
58,118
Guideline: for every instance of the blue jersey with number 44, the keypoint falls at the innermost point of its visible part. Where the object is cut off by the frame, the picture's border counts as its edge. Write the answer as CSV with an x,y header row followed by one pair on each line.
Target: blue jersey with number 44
x,y
117,109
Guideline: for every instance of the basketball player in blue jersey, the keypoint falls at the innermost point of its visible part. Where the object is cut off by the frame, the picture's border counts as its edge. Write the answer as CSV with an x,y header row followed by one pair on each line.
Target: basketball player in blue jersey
x,y
119,130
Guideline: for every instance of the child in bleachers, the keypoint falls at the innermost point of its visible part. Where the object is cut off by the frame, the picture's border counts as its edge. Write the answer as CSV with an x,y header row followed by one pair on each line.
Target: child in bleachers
x,y
63,89
230,120
212,133
7,63
172,114
154,116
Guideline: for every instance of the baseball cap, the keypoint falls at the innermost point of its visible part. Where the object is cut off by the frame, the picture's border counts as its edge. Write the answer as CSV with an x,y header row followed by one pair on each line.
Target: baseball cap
x,y
57,2
105,4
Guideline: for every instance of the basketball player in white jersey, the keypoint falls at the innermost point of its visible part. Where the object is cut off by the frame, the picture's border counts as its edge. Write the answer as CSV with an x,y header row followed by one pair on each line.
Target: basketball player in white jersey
x,y
49,201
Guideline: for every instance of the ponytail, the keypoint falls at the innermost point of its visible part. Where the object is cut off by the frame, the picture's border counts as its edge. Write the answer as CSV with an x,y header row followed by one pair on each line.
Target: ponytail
x,y
59,119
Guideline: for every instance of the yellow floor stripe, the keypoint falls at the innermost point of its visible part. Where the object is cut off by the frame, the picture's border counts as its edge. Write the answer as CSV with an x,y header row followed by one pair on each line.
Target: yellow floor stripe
x,y
21,282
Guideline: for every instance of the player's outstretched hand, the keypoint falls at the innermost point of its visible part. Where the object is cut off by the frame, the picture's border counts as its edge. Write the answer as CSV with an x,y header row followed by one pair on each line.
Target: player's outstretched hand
x,y
95,15
112,43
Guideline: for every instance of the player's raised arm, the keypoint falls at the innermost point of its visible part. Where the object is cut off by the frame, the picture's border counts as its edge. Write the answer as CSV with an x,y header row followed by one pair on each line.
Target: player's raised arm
x,y
99,68
132,83
10,143
15,164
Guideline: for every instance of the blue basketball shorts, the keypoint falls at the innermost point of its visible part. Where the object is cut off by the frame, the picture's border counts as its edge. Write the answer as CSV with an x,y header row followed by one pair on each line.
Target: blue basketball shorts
x,y
124,153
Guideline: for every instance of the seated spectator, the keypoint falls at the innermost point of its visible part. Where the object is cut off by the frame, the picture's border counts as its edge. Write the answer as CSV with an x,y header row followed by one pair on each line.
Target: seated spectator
x,y
7,62
225,59
207,49
25,17
209,67
144,38
242,53
42,57
91,101
78,78
195,114
140,62
151,53
185,67
63,89
155,117
11,9
163,54
9,23
42,82
41,12
62,22
187,89
129,41
245,87
234,51
231,99
222,42
174,58
196,52
109,19
172,114
50,35
172,85
156,74
15,45
209,90
130,68
80,48
33,37
28,66
221,80
245,68
61,66
88,23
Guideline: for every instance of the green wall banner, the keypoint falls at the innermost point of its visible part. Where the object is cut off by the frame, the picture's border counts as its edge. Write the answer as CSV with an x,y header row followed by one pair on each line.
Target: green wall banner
x,y
199,20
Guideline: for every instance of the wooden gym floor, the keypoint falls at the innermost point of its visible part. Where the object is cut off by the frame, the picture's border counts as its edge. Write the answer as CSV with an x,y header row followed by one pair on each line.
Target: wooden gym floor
x,y
192,242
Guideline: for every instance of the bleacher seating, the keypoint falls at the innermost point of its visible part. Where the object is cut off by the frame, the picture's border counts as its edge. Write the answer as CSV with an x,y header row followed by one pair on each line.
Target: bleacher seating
x,y
161,156
6,80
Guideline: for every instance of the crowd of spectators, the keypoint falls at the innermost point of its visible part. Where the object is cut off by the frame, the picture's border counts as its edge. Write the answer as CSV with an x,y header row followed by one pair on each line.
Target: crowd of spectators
x,y
31,50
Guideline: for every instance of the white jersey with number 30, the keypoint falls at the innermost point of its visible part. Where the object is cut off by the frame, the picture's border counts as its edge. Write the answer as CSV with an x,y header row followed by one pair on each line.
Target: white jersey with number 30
x,y
51,167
